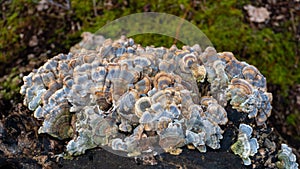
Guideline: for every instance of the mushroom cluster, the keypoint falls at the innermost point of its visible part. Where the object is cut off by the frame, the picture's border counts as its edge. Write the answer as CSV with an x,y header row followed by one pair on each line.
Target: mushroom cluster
x,y
142,100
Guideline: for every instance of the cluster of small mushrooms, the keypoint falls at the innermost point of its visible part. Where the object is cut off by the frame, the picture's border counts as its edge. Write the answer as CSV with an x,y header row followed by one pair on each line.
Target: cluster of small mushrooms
x,y
145,100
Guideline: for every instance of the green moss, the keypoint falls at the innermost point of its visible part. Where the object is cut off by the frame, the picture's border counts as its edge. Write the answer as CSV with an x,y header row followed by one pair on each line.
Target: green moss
x,y
156,40
292,119
11,85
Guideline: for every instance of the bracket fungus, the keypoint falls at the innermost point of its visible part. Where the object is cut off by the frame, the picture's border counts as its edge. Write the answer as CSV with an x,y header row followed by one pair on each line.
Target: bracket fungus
x,y
286,158
245,146
144,100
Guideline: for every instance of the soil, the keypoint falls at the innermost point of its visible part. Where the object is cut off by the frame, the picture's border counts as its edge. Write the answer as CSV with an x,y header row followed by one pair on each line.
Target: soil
x,y
22,147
